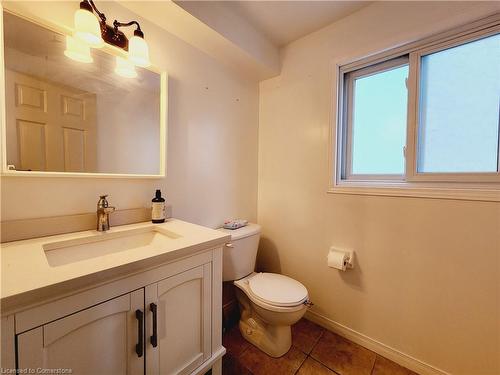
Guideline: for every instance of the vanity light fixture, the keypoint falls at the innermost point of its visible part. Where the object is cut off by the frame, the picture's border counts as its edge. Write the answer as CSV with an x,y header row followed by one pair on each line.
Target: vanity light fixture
x,y
87,28
77,50
94,31
138,51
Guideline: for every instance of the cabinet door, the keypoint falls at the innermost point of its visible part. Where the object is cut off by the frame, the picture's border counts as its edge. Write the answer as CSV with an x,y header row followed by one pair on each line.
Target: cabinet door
x,y
99,340
7,346
183,314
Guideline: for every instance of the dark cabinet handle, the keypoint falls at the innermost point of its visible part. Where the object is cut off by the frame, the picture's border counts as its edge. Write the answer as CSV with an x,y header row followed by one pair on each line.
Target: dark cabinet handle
x,y
154,337
139,347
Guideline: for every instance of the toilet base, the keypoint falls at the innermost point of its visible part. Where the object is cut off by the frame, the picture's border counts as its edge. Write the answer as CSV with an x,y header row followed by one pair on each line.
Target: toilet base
x,y
275,341
267,327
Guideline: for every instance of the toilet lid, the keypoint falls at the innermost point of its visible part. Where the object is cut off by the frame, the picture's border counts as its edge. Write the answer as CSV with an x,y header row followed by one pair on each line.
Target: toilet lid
x,y
277,290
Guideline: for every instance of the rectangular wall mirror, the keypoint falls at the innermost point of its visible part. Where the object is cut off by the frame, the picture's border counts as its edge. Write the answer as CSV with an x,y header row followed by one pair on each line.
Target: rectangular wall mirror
x,y
68,118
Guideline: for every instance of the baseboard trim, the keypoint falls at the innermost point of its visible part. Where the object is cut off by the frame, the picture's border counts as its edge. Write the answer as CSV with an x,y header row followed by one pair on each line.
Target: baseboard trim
x,y
394,355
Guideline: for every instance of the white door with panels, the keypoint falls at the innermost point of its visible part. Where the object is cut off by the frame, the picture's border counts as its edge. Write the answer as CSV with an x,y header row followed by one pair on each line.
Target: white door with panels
x,y
50,127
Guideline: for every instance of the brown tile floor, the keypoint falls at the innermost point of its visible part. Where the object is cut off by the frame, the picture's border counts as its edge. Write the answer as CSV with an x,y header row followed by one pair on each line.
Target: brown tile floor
x,y
314,351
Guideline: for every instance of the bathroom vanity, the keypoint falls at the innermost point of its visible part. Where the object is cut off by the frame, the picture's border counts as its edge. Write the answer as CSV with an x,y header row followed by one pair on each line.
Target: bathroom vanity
x,y
138,299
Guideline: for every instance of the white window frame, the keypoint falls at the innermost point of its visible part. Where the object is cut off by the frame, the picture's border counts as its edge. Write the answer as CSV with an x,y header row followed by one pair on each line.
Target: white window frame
x,y
469,186
346,126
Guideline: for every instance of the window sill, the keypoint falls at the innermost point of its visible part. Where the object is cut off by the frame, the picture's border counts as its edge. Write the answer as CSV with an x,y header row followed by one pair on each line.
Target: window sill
x,y
418,190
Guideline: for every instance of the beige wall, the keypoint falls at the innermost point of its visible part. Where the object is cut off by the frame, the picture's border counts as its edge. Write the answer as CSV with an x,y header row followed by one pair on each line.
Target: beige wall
x,y
427,277
212,141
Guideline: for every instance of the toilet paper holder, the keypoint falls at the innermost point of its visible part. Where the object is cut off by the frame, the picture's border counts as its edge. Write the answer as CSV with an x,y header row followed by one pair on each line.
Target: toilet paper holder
x,y
349,260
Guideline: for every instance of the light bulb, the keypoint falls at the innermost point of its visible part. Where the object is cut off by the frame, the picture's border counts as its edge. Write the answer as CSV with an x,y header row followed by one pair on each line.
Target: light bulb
x,y
87,28
125,68
77,50
138,51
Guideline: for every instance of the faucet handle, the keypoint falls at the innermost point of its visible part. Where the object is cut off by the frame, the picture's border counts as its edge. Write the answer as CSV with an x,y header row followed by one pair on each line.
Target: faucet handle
x,y
102,202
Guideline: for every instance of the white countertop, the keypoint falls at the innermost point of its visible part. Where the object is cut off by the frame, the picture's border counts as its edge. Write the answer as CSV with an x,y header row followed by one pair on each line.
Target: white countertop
x,y
28,278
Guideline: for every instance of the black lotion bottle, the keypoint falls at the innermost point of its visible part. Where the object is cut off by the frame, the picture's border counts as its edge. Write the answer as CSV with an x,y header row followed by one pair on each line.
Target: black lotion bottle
x,y
158,208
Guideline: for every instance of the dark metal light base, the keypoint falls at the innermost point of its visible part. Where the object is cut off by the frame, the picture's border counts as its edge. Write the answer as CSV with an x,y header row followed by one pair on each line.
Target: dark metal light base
x,y
113,36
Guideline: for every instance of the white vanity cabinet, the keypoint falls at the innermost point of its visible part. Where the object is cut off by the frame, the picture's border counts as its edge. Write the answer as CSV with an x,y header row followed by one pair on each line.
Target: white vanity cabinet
x,y
159,316
99,340
171,327
178,332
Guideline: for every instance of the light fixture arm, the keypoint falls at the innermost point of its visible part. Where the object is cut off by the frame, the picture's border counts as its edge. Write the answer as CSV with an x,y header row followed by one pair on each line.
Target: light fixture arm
x,y
90,6
137,32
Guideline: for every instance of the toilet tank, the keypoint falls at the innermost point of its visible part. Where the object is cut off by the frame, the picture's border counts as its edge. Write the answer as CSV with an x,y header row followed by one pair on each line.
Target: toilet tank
x,y
239,254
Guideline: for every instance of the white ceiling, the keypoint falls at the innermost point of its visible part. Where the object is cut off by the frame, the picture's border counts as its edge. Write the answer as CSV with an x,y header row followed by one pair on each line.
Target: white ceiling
x,y
285,21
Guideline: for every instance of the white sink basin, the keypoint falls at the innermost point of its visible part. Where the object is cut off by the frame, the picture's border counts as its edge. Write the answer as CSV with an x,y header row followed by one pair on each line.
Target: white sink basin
x,y
101,244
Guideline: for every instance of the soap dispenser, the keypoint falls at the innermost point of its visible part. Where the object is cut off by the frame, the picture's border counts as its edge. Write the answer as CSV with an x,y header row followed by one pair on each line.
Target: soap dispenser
x,y
158,208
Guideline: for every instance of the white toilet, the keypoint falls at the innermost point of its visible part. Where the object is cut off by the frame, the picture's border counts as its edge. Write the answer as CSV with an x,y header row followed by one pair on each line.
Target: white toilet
x,y
269,303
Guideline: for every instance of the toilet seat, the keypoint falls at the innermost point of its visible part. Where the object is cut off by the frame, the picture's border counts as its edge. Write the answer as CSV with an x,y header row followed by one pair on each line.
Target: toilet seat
x,y
273,291
277,290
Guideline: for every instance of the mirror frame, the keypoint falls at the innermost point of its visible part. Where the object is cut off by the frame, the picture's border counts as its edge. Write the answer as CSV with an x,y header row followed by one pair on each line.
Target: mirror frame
x,y
64,30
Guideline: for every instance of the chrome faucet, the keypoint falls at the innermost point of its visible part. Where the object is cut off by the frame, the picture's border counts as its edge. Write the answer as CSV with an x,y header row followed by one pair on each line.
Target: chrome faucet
x,y
103,211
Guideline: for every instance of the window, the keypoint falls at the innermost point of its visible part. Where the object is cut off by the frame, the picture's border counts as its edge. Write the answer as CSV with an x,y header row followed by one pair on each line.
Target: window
x,y
377,110
424,116
459,108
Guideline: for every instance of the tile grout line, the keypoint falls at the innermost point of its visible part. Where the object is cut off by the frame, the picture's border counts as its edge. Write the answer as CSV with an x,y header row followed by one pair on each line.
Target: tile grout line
x,y
317,341
244,350
308,355
322,364
331,369
317,359
302,364
373,366
241,354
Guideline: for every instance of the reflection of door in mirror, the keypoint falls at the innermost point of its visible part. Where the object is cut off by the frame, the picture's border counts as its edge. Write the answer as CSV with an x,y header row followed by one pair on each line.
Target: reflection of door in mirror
x,y
50,127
